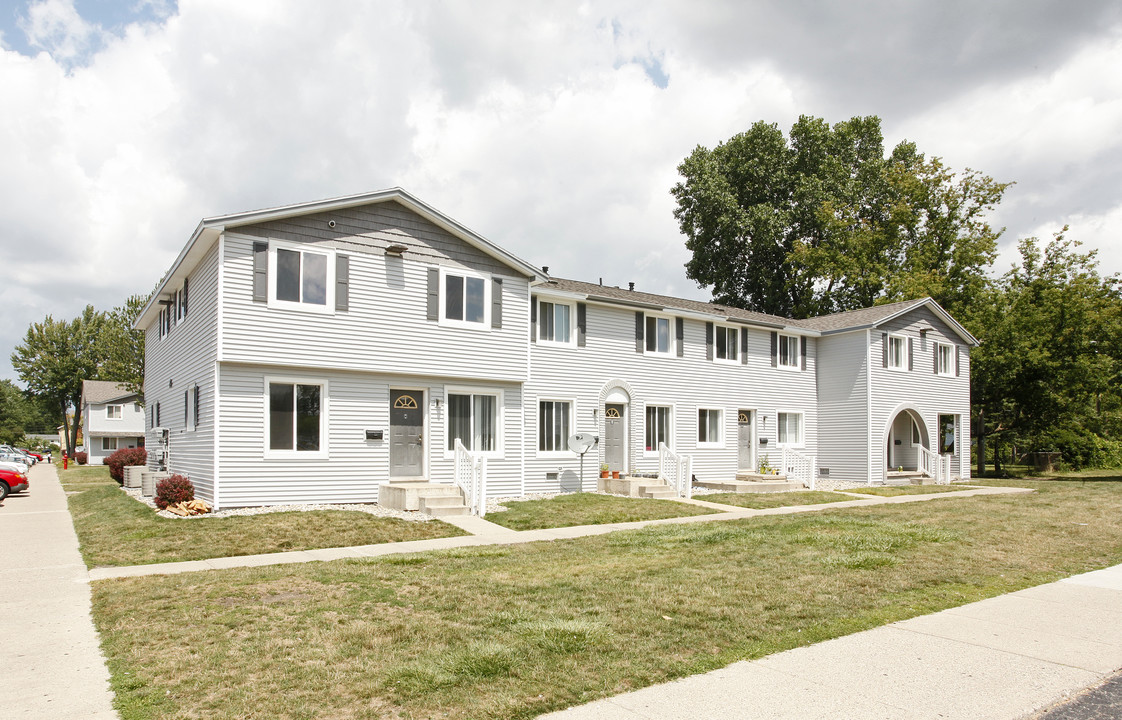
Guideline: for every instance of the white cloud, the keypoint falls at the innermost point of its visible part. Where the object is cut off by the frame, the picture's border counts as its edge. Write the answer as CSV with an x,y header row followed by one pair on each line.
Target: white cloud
x,y
536,124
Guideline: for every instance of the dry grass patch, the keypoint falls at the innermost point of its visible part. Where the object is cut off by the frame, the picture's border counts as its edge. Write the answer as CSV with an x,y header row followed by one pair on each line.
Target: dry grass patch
x,y
114,529
894,490
515,631
588,509
762,501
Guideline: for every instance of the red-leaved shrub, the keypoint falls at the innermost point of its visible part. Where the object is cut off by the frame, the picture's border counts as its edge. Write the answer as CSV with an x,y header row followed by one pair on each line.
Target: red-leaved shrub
x,y
123,458
81,458
172,490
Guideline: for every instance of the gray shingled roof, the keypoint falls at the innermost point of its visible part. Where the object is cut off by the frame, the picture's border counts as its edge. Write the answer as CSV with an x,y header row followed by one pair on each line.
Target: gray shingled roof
x,y
641,299
103,391
859,318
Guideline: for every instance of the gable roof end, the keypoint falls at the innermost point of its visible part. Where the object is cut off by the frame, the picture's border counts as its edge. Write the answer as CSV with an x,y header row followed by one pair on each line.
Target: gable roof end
x,y
878,315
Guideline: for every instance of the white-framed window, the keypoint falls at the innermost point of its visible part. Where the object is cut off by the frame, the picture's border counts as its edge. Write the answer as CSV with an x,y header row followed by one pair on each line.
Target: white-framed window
x,y
726,343
944,359
554,426
897,352
108,444
191,407
787,354
790,428
114,412
555,322
917,438
709,426
659,427
474,417
465,298
948,426
296,414
659,335
301,276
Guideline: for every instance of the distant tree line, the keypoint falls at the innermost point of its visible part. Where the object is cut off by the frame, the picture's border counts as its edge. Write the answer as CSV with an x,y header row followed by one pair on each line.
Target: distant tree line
x,y
824,220
57,355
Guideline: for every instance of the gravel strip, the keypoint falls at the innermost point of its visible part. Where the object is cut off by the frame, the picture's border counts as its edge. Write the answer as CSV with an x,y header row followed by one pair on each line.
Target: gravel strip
x,y
369,508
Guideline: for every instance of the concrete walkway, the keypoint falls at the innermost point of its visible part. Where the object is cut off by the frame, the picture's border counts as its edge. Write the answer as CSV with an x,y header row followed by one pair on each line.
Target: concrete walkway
x,y
49,651
999,659
488,533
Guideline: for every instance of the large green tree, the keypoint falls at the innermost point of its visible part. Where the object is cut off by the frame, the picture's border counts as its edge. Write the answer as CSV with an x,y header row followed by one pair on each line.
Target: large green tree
x,y
1048,374
824,221
123,347
56,356
21,413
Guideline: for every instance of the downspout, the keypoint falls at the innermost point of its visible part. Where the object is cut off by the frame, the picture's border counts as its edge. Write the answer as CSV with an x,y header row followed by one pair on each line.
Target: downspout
x,y
869,405
217,364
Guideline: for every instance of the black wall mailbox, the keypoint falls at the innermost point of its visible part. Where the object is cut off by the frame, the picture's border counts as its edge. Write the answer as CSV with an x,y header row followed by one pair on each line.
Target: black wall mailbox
x,y
896,442
373,434
763,441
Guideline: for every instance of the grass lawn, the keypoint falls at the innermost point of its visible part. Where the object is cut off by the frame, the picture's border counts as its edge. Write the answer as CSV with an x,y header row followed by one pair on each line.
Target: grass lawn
x,y
588,509
894,490
762,501
514,631
114,529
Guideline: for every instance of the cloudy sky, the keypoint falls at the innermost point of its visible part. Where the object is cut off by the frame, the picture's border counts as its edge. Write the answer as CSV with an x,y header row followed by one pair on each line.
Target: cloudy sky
x,y
551,128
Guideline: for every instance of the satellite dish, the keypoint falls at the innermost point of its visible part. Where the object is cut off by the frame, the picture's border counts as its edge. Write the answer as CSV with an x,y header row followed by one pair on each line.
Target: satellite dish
x,y
582,442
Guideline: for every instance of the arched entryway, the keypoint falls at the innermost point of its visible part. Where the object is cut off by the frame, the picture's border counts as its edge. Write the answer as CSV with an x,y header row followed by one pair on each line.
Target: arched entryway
x,y
615,414
905,434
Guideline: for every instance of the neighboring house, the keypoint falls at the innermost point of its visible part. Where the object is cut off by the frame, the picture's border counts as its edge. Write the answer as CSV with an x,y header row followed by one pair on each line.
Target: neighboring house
x,y
112,418
311,352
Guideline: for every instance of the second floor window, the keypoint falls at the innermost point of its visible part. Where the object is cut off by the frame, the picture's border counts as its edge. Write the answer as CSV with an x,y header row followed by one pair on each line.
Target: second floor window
x,y
788,351
554,322
301,277
726,343
113,412
658,334
465,298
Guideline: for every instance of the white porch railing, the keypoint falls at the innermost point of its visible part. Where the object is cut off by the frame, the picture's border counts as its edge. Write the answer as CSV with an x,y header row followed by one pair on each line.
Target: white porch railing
x,y
471,476
797,466
934,465
676,470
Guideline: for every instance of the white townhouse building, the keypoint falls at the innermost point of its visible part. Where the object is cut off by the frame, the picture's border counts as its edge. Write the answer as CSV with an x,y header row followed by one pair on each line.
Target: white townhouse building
x,y
312,352
112,418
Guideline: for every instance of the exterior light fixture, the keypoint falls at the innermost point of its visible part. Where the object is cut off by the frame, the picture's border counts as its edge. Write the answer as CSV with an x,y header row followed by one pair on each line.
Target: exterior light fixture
x,y
396,250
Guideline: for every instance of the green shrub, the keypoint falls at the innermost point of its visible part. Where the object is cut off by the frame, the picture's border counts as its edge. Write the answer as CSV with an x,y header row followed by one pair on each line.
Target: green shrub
x,y
173,490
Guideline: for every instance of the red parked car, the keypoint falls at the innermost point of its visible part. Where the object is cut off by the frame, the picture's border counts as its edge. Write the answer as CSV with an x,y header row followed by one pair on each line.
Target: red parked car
x,y
11,481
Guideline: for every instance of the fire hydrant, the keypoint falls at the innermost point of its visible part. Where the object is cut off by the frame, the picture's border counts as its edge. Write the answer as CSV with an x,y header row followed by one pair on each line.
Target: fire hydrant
x,y
64,461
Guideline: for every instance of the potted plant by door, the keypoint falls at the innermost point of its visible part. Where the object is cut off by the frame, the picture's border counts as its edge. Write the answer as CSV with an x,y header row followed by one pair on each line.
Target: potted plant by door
x,y
604,470
615,474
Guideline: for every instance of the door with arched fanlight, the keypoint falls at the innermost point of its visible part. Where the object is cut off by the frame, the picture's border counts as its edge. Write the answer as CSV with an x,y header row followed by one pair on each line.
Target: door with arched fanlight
x,y
746,440
615,436
407,425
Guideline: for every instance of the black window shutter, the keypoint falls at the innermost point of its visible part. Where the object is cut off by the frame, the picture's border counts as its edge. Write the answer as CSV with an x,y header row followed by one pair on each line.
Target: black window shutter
x,y
342,282
884,349
582,323
679,335
533,319
639,332
956,360
802,351
496,303
433,307
935,368
775,349
743,346
709,341
260,272
909,353
184,297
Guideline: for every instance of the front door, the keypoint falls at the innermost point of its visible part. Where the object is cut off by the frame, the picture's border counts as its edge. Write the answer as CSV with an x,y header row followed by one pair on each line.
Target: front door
x,y
746,440
407,424
615,436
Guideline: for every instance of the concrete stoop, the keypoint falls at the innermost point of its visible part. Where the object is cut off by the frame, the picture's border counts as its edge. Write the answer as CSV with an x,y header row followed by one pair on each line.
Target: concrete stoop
x,y
638,487
774,484
908,477
436,499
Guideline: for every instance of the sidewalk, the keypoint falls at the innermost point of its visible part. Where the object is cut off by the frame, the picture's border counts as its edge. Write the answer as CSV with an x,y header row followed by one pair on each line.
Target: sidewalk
x,y
999,659
53,666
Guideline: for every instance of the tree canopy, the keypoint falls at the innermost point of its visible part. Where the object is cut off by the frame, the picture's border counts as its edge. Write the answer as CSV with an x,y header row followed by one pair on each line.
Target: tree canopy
x,y
1048,373
824,221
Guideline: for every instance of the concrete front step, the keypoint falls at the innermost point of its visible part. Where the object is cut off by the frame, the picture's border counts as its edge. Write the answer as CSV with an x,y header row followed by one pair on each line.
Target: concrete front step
x,y
746,476
658,492
636,487
908,478
741,486
436,499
